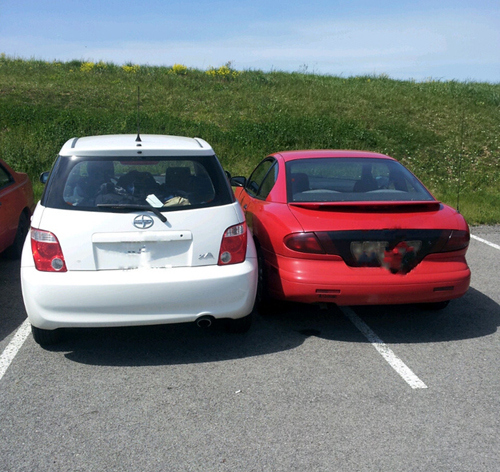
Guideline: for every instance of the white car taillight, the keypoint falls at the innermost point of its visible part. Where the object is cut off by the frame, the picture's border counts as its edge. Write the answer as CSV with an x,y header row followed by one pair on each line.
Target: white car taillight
x,y
47,252
233,248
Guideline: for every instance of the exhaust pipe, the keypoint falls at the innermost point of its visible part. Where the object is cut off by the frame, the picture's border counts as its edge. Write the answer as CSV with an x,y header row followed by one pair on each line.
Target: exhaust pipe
x,y
204,321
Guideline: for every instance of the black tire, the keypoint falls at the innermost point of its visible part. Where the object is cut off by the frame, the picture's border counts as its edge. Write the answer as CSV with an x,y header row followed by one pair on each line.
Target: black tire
x,y
45,337
265,303
263,300
15,251
435,306
240,325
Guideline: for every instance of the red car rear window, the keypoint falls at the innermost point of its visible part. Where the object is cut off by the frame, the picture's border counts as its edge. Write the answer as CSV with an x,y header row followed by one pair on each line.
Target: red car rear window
x,y
352,180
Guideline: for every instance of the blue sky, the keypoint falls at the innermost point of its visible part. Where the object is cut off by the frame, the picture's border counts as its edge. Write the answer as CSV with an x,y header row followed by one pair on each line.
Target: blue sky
x,y
445,40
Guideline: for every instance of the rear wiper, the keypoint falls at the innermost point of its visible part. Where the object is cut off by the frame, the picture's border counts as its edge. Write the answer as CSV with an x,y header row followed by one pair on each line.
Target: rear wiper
x,y
132,207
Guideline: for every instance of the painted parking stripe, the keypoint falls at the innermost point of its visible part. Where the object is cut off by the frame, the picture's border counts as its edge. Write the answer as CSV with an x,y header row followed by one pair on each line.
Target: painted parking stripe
x,y
484,241
11,350
394,361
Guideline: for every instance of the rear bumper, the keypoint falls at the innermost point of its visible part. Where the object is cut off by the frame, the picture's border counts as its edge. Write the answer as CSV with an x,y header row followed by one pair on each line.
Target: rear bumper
x,y
138,297
437,278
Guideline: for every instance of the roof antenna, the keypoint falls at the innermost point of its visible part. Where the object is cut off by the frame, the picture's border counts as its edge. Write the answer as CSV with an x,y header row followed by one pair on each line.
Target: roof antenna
x,y
462,124
138,139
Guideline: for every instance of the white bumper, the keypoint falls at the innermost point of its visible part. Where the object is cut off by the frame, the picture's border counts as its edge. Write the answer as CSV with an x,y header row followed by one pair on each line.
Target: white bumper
x,y
138,297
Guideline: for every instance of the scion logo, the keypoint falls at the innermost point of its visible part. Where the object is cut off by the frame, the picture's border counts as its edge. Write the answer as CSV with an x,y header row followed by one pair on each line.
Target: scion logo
x,y
143,222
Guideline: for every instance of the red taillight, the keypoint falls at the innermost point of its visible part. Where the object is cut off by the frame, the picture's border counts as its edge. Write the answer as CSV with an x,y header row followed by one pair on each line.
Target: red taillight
x,y
233,248
47,251
304,242
456,240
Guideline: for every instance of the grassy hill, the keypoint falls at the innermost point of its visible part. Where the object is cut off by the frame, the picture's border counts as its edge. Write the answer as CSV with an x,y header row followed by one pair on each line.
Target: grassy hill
x,y
437,129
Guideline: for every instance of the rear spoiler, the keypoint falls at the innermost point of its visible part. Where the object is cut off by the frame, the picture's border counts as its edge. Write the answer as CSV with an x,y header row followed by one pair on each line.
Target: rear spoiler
x,y
389,207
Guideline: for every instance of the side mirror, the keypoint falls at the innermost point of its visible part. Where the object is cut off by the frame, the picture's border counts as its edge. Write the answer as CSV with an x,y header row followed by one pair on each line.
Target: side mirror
x,y
238,181
44,176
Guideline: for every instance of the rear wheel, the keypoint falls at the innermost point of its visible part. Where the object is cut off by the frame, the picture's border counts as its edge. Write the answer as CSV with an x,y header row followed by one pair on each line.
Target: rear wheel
x,y
435,306
45,337
266,304
240,325
14,251
263,301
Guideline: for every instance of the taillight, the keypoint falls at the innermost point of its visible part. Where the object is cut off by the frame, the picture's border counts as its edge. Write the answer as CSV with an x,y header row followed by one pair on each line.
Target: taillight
x,y
233,248
304,242
456,240
47,251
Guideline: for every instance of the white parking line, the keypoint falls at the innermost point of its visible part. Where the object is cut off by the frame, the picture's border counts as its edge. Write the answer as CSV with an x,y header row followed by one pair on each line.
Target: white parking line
x,y
477,238
11,350
394,361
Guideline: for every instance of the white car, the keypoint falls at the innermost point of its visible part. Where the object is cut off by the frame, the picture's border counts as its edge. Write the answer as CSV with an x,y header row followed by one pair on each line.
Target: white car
x,y
137,231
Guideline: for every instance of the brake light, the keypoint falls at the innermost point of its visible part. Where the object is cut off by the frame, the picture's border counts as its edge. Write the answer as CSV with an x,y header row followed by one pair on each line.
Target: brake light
x,y
456,240
304,242
233,248
47,252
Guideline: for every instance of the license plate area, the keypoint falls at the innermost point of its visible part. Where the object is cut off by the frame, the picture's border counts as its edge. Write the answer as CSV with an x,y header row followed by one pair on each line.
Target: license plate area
x,y
369,253
397,257
142,250
397,250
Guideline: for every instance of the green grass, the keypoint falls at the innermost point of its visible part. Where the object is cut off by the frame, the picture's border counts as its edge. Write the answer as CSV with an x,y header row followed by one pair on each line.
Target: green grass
x,y
437,129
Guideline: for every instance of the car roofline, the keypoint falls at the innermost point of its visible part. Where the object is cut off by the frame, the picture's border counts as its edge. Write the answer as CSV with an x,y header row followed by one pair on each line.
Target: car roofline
x,y
126,145
330,153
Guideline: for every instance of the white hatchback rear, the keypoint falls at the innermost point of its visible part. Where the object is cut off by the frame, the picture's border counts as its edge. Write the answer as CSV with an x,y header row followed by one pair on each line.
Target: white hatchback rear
x,y
137,231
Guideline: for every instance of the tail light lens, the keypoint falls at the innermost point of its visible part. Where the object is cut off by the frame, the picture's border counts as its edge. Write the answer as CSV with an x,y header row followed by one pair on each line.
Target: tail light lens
x,y
454,240
47,251
457,240
233,248
304,242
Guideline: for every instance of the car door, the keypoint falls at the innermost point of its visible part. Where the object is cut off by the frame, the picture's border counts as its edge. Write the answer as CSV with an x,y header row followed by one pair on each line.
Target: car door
x,y
8,216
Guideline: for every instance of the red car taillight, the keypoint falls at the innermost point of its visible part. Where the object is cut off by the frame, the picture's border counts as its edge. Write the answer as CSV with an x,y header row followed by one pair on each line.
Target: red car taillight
x,y
304,242
451,240
233,248
456,241
47,251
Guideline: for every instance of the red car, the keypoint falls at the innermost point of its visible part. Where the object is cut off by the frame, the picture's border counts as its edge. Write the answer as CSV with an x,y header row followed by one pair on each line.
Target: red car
x,y
352,228
16,207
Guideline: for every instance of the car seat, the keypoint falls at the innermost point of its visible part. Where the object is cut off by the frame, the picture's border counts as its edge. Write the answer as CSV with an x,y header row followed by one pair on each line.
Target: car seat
x,y
367,182
300,182
178,178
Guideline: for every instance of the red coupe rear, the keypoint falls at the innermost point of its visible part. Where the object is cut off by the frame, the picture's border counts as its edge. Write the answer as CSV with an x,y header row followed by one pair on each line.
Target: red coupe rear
x,y
352,228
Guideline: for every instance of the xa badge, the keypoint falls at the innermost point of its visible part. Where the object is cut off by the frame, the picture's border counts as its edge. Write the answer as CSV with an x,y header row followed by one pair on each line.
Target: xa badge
x,y
143,222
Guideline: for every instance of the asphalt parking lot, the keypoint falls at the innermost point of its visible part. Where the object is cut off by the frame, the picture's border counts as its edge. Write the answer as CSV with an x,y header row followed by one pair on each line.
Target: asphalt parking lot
x,y
391,388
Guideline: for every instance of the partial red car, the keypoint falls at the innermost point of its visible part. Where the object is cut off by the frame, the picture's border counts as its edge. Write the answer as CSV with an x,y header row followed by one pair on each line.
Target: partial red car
x,y
352,228
16,207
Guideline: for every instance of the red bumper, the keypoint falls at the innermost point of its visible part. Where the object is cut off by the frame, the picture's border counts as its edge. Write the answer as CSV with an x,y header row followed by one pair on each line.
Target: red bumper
x,y
437,278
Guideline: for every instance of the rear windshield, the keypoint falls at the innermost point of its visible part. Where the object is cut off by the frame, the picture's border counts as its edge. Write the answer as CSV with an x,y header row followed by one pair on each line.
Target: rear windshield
x,y
167,183
352,180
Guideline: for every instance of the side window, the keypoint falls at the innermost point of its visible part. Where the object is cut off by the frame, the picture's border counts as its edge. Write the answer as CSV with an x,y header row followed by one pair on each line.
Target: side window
x,y
256,180
5,178
269,181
